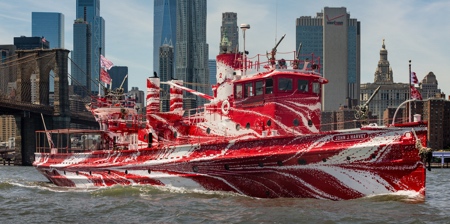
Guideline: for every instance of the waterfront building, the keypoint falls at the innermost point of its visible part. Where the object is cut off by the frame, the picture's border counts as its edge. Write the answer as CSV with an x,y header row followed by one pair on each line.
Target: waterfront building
x,y
230,29
334,37
139,97
49,25
429,86
166,60
117,74
390,95
30,43
437,112
88,13
191,50
7,127
164,29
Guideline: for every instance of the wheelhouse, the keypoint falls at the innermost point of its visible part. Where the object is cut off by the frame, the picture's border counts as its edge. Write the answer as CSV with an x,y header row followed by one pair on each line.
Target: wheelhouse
x,y
276,85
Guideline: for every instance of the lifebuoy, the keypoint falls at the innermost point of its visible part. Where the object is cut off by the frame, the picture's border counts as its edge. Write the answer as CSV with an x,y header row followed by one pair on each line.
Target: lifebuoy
x,y
225,107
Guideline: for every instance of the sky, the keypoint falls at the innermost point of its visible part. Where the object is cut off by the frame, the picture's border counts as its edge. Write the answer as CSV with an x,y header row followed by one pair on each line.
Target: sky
x,y
416,30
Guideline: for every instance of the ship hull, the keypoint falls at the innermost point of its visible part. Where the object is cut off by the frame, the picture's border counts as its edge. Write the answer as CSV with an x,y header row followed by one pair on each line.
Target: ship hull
x,y
336,166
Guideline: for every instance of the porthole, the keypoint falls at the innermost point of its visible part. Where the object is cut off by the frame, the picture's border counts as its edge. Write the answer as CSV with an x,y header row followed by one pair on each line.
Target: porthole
x,y
195,169
227,167
126,171
76,173
238,127
261,164
324,160
348,157
208,130
269,122
310,123
90,173
280,163
374,156
175,134
64,172
149,171
109,171
247,126
296,122
301,162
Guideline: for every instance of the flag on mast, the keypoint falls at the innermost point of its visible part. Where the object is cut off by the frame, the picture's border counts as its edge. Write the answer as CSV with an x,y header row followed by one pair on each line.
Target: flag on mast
x,y
414,79
104,77
105,63
415,94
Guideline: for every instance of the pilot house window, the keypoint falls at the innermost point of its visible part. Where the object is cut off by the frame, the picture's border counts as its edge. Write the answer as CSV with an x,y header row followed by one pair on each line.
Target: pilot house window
x,y
248,89
269,86
258,88
316,87
302,86
239,91
284,84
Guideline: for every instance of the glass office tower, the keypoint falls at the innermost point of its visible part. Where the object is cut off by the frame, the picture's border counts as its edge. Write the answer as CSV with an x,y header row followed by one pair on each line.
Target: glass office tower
x,y
164,28
49,25
89,12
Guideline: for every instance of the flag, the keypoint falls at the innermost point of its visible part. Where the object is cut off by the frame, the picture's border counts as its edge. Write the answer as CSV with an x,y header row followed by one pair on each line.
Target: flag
x,y
104,77
105,63
43,40
415,94
414,79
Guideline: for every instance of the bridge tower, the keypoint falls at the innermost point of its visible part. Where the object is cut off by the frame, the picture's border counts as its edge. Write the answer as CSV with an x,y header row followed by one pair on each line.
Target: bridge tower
x,y
38,63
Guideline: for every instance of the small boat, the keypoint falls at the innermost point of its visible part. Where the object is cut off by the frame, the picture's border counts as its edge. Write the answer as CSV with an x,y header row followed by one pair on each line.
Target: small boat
x,y
259,135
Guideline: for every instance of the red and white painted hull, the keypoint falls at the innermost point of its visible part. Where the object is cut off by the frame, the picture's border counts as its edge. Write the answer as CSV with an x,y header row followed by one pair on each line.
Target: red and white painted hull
x,y
337,166
258,135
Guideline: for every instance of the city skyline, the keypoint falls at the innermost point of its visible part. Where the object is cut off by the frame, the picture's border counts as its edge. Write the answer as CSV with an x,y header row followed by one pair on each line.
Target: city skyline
x,y
409,31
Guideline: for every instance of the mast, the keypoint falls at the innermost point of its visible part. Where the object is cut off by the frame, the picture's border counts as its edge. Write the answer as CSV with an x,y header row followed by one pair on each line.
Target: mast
x,y
409,104
244,27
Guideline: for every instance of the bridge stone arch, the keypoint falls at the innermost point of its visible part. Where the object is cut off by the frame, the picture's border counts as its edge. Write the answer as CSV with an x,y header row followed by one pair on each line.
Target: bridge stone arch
x,y
38,64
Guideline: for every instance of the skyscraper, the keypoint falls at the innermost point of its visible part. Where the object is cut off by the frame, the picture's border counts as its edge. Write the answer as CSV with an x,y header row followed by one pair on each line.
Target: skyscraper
x,y
166,57
335,38
164,28
49,25
89,11
230,29
117,74
212,74
191,49
81,58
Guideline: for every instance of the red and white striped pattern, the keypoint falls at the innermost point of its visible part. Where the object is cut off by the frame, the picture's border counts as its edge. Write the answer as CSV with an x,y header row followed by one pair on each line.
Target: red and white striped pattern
x,y
153,103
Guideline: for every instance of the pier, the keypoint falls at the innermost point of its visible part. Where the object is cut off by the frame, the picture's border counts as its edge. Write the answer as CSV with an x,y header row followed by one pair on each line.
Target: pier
x,y
442,155
6,154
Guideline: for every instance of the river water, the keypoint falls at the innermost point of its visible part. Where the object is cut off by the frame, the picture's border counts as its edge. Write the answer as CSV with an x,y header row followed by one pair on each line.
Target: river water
x,y
27,197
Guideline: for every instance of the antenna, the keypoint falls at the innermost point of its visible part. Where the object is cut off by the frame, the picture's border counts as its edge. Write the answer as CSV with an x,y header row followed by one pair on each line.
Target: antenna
x,y
244,27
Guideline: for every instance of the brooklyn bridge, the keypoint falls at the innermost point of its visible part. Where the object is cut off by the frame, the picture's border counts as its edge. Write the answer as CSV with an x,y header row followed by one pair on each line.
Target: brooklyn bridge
x,y
25,94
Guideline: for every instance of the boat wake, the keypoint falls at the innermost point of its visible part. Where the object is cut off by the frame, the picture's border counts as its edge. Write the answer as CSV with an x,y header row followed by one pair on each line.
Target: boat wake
x,y
412,197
